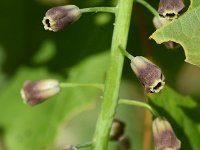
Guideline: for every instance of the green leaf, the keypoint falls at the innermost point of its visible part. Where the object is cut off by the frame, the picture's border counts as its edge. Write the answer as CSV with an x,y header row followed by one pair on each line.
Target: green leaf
x,y
35,128
185,30
183,113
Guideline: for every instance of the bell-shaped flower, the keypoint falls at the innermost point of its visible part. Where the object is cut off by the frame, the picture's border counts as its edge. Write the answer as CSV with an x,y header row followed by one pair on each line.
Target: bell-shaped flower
x,y
60,17
148,73
35,92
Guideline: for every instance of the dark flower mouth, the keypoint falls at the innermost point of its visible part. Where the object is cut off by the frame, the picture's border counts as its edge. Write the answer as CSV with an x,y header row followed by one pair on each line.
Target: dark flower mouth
x,y
48,23
168,15
157,86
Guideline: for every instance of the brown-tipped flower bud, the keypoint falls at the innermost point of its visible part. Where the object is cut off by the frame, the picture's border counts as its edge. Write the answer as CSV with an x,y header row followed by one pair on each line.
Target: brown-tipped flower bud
x,y
117,129
170,8
35,92
124,143
69,147
164,136
59,17
148,73
158,23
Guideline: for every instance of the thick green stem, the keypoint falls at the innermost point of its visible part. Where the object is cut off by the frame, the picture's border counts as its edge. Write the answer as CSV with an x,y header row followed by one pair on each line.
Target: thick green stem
x,y
110,100
99,9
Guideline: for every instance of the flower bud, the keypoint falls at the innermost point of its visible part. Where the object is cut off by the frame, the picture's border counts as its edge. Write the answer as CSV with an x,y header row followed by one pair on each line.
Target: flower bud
x,y
164,136
59,17
124,143
117,129
170,8
148,73
35,92
158,23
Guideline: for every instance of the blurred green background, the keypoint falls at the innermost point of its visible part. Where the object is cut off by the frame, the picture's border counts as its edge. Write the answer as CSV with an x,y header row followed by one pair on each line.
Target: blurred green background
x,y
79,53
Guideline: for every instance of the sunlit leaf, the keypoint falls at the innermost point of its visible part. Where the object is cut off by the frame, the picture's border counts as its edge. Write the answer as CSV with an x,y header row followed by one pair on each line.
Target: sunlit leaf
x,y
185,31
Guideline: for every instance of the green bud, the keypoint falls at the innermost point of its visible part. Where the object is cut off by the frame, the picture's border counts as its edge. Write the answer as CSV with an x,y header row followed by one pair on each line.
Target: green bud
x,y
170,8
35,92
164,136
60,17
148,73
117,129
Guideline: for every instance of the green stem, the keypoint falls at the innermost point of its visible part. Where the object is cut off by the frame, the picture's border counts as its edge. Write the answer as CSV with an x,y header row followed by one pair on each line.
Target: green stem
x,y
138,103
129,56
95,85
88,144
148,6
112,83
99,9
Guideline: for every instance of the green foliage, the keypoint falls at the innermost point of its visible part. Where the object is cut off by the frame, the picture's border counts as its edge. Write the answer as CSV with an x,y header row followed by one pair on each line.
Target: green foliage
x,y
80,54
183,114
185,31
35,128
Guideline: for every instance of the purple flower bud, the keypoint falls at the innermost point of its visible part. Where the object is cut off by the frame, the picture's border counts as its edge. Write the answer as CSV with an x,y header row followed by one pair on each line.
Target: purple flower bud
x,y
124,143
117,129
170,8
164,136
59,17
158,23
148,73
35,92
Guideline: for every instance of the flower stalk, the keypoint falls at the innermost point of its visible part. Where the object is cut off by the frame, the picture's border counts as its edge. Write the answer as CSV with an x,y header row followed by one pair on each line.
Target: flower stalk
x,y
110,99
98,9
148,6
138,104
93,85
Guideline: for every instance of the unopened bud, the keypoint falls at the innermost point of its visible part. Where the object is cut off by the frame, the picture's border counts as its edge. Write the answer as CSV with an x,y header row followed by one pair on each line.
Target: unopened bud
x,y
59,17
124,143
35,92
69,147
148,73
117,129
170,8
158,23
164,136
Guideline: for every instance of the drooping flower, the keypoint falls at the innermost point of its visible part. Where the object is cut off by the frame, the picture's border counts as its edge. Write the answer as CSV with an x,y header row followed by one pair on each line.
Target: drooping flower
x,y
60,17
164,136
117,129
148,73
124,143
35,92
170,8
